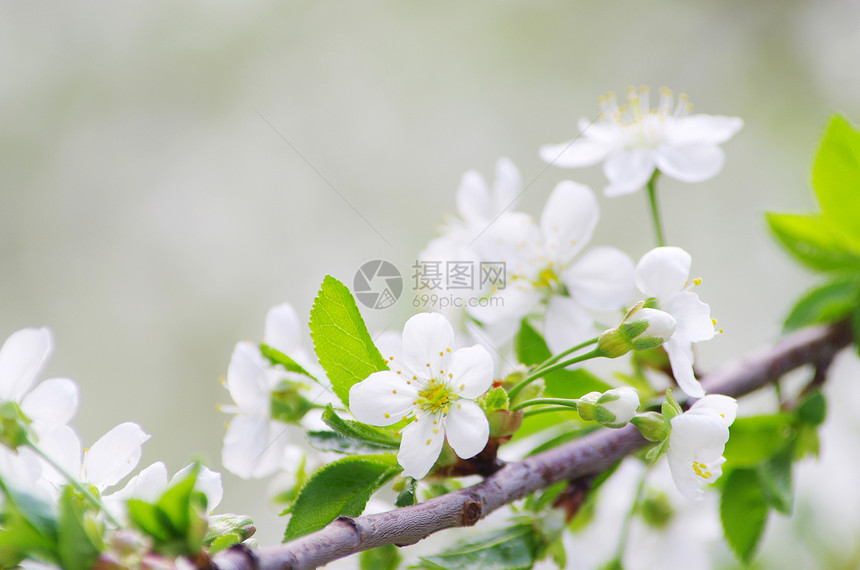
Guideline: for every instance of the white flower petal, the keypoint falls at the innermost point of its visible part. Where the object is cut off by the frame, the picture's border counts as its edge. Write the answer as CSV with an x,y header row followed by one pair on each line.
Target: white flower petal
x,y
690,163
508,305
114,455
628,171
568,220
698,129
681,358
663,272
507,186
253,446
61,444
566,324
723,406
696,445
282,329
427,342
602,278
580,152
383,398
467,429
53,401
473,198
471,371
247,379
148,485
420,446
21,358
693,317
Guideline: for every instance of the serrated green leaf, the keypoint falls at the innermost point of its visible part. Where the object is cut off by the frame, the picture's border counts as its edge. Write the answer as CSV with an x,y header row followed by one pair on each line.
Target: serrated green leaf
x,y
381,558
74,545
341,341
341,488
812,241
775,478
754,439
275,356
513,548
825,304
360,431
333,441
743,512
813,409
836,177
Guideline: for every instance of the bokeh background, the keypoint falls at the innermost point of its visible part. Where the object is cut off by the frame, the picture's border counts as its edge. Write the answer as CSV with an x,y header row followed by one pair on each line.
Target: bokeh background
x,y
169,171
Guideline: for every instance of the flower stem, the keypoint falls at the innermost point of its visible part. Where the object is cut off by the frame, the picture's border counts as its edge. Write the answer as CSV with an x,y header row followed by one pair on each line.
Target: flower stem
x,y
79,487
537,401
546,370
655,210
560,355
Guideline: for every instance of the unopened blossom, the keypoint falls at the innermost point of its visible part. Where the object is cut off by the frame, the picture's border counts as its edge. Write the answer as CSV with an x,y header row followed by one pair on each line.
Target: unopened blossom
x,y
613,408
546,267
634,140
642,329
663,274
435,387
697,441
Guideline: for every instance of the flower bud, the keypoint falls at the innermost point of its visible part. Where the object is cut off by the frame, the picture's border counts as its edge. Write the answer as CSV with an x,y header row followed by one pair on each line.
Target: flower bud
x,y
641,329
651,425
504,423
614,408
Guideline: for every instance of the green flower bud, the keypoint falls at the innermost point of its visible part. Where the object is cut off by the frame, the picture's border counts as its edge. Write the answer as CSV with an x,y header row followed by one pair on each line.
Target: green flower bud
x,y
614,408
585,405
651,425
641,329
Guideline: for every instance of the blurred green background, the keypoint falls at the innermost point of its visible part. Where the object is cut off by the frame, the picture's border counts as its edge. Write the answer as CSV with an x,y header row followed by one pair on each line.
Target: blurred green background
x,y
151,210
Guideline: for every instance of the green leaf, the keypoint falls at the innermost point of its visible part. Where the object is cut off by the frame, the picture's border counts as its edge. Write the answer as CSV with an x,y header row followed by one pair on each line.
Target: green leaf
x,y
513,548
275,356
341,488
333,441
754,439
836,177
824,304
813,409
75,546
231,528
407,495
29,528
812,241
496,399
775,478
743,512
341,341
149,518
359,431
381,558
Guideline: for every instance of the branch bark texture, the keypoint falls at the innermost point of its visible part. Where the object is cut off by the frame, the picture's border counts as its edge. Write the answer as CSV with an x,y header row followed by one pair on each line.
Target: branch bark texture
x,y
588,455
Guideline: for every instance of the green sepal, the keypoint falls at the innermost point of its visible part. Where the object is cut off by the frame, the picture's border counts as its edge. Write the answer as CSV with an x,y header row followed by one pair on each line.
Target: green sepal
x,y
343,346
275,356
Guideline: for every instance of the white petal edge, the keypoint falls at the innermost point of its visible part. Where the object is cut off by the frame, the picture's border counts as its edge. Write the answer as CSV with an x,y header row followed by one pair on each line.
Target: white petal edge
x,y
21,358
697,129
628,171
663,272
253,446
471,371
208,482
53,401
577,153
568,220
467,429
282,328
691,163
420,446
428,339
114,455
247,380
383,398
693,317
681,358
473,198
602,278
566,324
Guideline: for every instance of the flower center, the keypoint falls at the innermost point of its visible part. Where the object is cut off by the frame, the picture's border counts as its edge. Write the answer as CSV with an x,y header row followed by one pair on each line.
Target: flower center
x,y
700,469
435,397
643,126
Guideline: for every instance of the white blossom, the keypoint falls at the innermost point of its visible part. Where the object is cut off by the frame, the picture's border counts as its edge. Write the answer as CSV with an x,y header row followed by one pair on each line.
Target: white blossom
x,y
634,140
697,441
435,387
663,274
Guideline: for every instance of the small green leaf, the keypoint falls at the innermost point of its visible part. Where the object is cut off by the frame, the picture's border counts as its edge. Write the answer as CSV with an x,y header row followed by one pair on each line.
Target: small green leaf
x,y
341,341
407,495
825,304
813,409
275,356
75,546
359,431
149,518
496,399
754,439
775,478
812,241
512,548
341,488
743,512
381,558
836,177
333,441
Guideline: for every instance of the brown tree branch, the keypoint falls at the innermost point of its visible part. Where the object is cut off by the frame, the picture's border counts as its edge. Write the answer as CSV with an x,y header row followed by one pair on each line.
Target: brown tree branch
x,y
587,455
